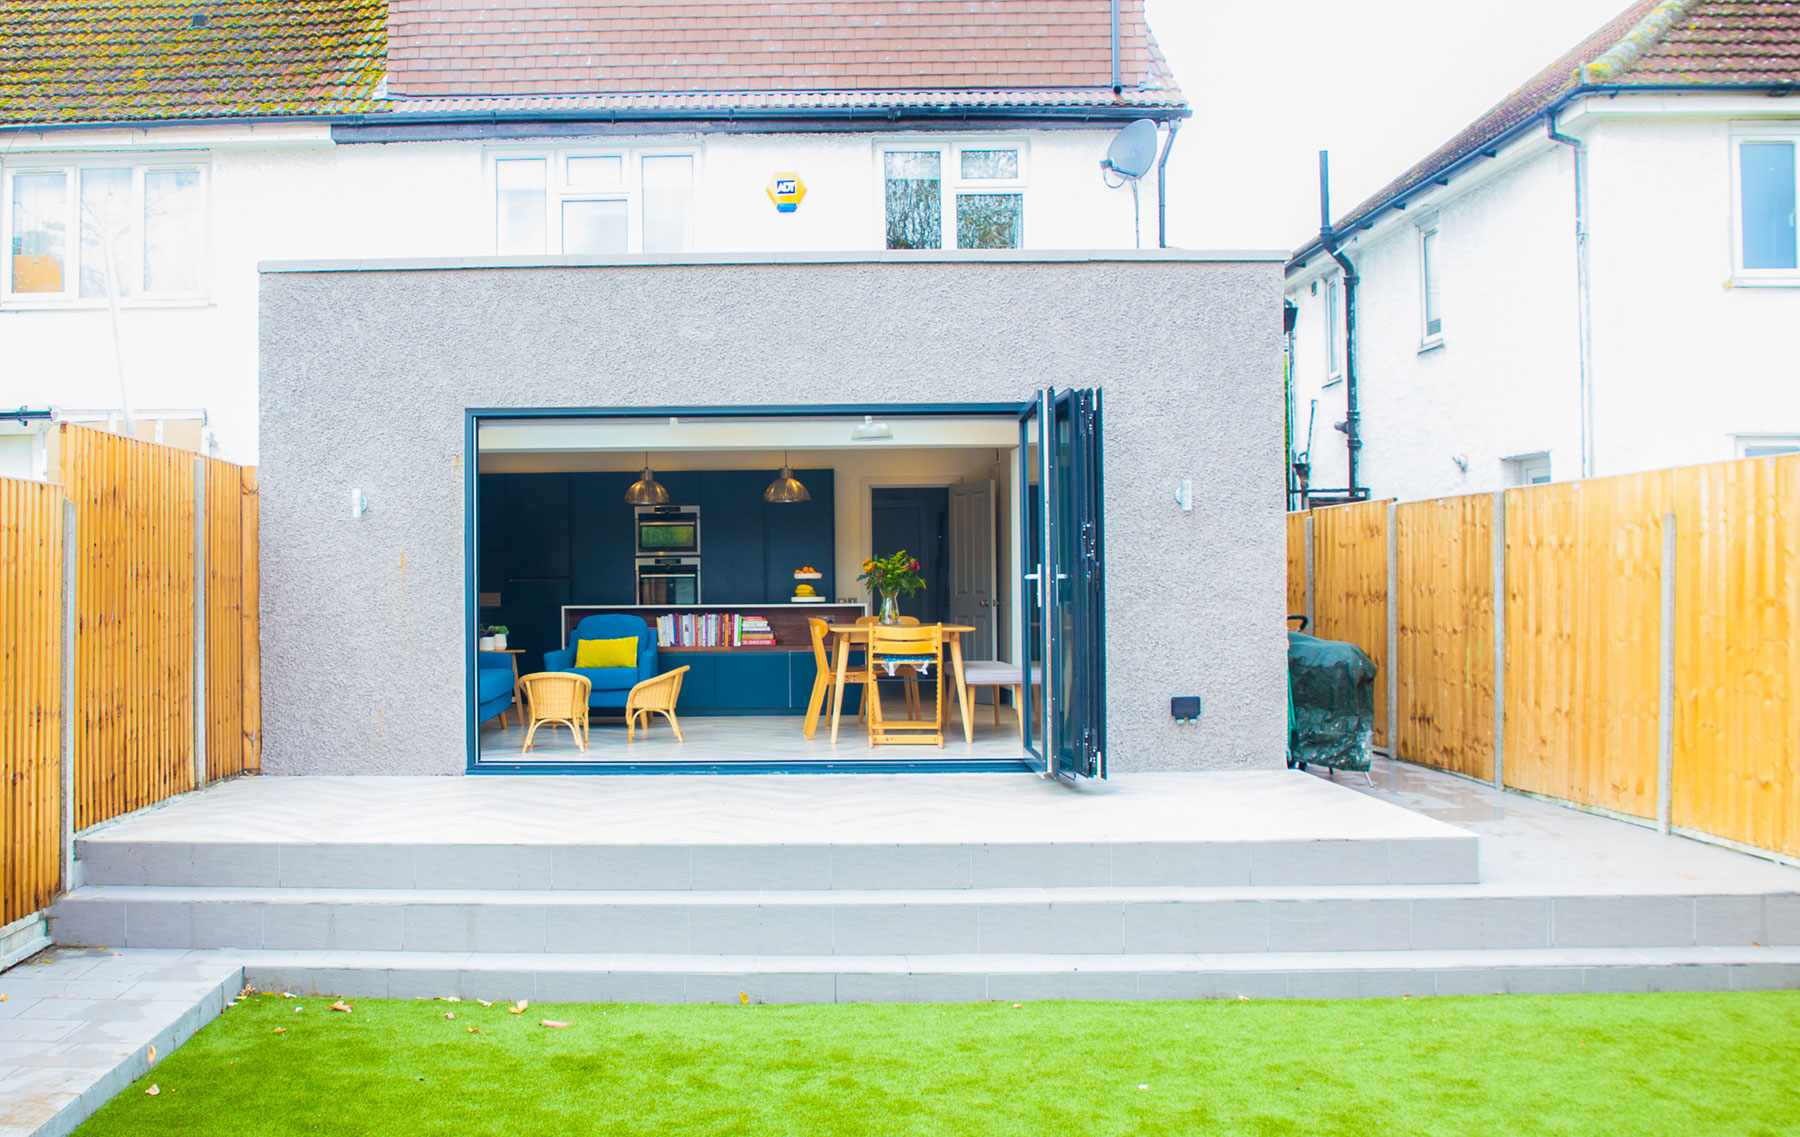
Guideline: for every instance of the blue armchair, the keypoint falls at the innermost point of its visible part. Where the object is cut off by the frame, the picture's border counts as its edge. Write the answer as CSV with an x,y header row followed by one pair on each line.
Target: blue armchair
x,y
611,684
493,684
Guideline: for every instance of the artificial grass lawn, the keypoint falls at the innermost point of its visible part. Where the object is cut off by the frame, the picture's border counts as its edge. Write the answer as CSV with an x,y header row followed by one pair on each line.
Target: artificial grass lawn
x,y
1722,1063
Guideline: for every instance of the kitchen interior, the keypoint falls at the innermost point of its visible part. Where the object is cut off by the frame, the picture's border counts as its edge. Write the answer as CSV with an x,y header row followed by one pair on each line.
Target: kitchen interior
x,y
726,536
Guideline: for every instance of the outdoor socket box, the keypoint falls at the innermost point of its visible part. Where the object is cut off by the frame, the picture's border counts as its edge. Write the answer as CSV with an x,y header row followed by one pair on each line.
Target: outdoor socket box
x,y
1185,708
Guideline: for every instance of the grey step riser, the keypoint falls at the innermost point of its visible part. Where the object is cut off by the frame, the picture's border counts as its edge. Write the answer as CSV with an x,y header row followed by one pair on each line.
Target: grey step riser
x,y
624,986
925,928
788,867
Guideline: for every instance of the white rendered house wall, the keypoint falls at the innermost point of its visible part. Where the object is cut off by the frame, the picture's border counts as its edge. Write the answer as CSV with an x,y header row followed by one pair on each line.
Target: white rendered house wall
x,y
294,195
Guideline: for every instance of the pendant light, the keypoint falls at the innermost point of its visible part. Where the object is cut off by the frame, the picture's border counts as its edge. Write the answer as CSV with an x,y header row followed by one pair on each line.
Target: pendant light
x,y
786,487
647,490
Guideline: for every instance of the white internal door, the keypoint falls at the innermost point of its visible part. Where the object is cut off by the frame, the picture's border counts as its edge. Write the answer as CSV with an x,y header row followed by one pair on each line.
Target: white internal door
x,y
974,596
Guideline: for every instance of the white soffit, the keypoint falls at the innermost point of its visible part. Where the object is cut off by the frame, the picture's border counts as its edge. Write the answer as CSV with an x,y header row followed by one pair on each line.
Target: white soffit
x,y
546,436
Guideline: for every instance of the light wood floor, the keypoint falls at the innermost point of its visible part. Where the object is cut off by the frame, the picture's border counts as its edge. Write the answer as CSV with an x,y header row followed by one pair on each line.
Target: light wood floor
x,y
752,738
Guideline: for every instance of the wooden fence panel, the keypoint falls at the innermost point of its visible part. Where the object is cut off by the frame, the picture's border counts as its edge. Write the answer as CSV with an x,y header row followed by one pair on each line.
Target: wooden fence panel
x,y
134,643
1444,602
1350,587
1296,565
31,617
250,635
224,619
1583,612
1737,652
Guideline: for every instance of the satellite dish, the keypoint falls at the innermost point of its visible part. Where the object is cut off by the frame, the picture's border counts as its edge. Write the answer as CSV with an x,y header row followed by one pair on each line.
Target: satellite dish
x,y
1133,150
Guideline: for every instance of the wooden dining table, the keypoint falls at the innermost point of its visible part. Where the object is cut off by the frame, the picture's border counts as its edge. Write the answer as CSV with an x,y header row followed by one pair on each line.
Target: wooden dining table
x,y
846,636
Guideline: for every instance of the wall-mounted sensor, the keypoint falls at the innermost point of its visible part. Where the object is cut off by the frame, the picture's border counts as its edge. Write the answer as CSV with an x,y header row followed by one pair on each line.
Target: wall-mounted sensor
x,y
359,504
1184,495
1185,708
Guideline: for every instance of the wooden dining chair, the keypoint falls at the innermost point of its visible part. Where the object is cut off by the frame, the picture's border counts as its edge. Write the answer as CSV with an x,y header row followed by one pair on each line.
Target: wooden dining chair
x,y
557,698
912,680
826,680
916,647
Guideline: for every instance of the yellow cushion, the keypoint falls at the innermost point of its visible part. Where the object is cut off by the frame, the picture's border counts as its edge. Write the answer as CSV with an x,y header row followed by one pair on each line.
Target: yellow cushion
x,y
607,653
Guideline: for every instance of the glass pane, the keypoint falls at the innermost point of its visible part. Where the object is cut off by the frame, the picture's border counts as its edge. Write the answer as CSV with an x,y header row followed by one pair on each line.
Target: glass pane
x,y
1434,323
172,231
1767,174
1331,326
990,163
105,231
39,237
915,199
594,227
519,224
1031,598
668,203
600,170
989,220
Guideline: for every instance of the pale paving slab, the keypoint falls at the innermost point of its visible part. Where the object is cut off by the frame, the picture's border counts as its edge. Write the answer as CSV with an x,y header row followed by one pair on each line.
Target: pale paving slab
x,y
79,1025
774,809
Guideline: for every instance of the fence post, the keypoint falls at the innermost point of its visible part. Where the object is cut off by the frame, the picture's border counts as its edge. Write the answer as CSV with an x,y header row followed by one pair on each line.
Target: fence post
x,y
200,718
1311,621
71,564
1393,630
1499,556
1665,707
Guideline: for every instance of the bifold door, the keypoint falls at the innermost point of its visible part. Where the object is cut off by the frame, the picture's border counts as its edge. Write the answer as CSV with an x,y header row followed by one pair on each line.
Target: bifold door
x,y
1063,590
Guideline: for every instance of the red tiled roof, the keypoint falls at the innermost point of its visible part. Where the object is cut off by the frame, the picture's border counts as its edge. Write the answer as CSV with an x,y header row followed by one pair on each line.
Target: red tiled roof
x,y
1653,42
538,47
115,60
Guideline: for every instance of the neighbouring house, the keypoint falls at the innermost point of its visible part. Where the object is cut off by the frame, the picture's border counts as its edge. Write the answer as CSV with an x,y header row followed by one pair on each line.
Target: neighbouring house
x,y
1600,275
151,155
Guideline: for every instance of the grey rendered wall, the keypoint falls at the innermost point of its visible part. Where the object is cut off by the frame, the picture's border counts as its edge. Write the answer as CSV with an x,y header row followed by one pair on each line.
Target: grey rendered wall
x,y
366,374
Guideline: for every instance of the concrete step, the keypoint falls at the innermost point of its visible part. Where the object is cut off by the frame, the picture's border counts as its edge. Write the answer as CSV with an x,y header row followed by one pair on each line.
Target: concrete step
x,y
801,922
1448,858
970,978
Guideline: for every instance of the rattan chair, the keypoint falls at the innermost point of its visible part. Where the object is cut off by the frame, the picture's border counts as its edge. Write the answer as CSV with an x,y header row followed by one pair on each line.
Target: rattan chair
x,y
917,647
654,696
556,698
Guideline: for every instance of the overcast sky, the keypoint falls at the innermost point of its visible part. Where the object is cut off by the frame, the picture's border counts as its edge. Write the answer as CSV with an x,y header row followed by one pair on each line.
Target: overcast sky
x,y
1380,84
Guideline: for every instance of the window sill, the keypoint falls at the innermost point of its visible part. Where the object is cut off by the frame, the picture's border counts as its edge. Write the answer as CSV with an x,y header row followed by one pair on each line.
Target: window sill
x,y
1431,344
1792,281
1334,381
14,304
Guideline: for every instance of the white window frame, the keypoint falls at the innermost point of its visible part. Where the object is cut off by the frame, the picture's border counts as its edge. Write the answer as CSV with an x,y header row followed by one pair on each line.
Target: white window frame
x,y
950,167
1333,314
1430,266
70,167
1521,467
557,190
1742,444
1742,132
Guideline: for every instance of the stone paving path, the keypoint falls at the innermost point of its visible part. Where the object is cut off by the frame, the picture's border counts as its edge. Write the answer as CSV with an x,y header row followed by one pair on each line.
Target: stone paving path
x,y
79,1025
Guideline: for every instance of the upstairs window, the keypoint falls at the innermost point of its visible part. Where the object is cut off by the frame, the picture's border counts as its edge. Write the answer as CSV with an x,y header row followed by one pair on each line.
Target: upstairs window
x,y
974,195
1334,346
1431,312
593,203
84,231
1768,239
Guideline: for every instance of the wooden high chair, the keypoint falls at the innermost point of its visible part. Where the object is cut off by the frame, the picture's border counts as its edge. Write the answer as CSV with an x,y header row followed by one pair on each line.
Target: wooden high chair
x,y
919,647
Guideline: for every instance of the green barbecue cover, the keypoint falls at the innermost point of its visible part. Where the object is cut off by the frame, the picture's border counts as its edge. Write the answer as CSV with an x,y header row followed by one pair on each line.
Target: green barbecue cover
x,y
1331,691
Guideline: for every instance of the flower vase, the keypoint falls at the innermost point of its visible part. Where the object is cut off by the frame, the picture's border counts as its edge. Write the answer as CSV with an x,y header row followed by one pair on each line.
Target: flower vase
x,y
890,610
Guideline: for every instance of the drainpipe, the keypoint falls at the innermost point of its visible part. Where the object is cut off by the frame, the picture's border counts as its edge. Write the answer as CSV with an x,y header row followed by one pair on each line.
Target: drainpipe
x,y
1352,425
1583,312
1162,187
1118,82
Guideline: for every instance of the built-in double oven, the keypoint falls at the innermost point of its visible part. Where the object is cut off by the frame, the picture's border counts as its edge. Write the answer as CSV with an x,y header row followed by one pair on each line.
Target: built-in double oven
x,y
668,554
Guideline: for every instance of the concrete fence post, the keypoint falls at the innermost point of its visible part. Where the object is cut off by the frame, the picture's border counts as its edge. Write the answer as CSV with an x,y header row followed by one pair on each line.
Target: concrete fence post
x,y
1665,707
1499,558
1393,629
199,622
70,626
1311,616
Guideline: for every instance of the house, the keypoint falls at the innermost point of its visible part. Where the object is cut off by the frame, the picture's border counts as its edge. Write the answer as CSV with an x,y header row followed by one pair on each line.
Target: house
x,y
151,158
1597,276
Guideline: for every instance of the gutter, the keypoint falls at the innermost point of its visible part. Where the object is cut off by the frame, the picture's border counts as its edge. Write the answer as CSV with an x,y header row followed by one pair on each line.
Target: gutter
x,y
1583,307
1491,148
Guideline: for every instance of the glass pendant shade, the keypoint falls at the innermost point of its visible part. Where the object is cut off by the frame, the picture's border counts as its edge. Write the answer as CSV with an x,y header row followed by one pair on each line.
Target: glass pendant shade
x,y
647,490
786,487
